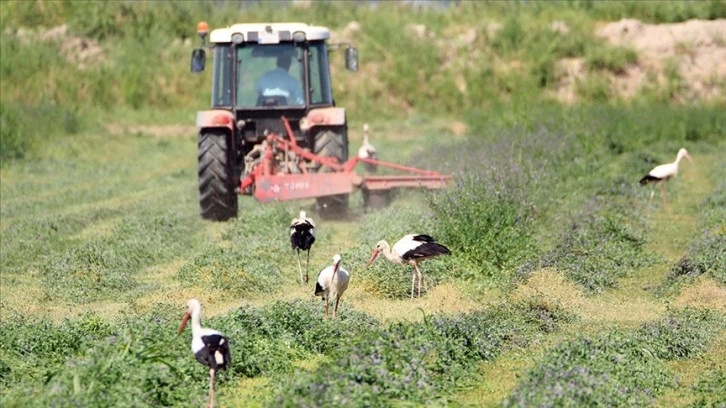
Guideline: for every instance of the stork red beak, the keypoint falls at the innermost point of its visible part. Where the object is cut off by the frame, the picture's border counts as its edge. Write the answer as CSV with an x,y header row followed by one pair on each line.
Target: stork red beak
x,y
373,257
183,323
689,158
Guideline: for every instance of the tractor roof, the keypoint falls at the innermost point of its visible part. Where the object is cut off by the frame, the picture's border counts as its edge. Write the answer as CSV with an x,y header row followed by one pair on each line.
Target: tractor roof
x,y
268,33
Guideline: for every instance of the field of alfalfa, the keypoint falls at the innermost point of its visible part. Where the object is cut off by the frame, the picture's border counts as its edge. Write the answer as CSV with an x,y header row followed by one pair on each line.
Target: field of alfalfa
x,y
566,286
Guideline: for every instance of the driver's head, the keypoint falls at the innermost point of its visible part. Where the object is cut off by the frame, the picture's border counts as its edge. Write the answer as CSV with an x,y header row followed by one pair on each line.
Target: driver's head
x,y
284,60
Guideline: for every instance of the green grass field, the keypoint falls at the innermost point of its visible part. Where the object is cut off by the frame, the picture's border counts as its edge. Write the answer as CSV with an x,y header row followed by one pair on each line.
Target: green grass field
x,y
565,287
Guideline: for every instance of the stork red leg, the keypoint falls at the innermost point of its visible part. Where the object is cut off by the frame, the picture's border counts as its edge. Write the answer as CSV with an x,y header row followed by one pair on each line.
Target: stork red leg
x,y
418,273
335,310
211,388
307,264
663,193
299,268
413,280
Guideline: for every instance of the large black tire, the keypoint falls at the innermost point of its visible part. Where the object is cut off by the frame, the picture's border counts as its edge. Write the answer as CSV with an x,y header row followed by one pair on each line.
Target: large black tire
x,y
217,195
332,143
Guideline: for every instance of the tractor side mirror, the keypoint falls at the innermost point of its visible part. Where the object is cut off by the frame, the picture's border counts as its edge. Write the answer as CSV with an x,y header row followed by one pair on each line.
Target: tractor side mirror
x,y
351,59
199,57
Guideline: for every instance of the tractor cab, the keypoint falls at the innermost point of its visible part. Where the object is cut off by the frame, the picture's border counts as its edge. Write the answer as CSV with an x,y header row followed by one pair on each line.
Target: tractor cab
x,y
263,71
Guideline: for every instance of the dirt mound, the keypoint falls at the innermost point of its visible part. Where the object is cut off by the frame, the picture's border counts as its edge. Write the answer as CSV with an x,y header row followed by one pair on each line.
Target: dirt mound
x,y
692,53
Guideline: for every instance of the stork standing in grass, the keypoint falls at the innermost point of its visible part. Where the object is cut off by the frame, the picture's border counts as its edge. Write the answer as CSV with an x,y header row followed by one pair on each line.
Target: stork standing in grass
x,y
209,346
302,237
411,249
332,282
661,174
367,151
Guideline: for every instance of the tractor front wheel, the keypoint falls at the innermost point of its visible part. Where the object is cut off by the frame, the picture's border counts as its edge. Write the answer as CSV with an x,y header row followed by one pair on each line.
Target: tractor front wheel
x,y
332,143
217,195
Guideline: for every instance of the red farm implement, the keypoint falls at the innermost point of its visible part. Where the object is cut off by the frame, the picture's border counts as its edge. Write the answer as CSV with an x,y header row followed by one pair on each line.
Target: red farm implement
x,y
279,170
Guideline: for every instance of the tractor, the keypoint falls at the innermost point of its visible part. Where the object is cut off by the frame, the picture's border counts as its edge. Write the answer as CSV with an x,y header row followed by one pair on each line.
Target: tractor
x,y
282,141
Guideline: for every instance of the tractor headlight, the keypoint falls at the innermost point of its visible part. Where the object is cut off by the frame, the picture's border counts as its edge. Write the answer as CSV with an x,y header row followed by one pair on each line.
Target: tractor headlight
x,y
299,36
238,38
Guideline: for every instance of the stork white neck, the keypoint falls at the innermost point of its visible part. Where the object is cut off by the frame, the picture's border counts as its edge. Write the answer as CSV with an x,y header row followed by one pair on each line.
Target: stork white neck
x,y
385,248
194,310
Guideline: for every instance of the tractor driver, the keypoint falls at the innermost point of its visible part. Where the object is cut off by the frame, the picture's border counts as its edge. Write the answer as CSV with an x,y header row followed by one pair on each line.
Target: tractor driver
x,y
278,84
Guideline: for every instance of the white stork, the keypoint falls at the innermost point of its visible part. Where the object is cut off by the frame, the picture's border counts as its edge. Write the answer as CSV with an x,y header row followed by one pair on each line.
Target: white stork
x,y
302,237
209,346
412,249
367,151
332,282
661,174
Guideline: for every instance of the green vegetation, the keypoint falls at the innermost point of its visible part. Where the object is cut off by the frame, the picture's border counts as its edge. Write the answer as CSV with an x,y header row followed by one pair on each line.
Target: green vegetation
x,y
565,286
617,368
414,362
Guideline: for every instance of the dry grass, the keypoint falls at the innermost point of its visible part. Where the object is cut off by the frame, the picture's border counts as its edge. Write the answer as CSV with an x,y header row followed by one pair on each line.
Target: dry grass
x,y
602,310
690,370
443,299
704,293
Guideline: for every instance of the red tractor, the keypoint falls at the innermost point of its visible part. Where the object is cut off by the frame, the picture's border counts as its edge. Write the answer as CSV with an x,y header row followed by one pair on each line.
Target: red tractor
x,y
273,130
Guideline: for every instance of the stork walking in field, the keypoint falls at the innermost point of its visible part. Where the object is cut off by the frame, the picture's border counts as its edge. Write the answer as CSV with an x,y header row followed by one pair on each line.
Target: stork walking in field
x,y
367,151
209,346
411,249
302,237
332,282
661,174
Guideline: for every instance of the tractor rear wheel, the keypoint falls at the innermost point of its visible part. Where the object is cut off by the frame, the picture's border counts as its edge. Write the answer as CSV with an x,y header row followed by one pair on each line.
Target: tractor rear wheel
x,y
332,143
217,195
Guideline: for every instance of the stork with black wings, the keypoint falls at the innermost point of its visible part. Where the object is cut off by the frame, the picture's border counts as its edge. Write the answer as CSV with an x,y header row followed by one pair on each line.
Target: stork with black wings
x,y
302,237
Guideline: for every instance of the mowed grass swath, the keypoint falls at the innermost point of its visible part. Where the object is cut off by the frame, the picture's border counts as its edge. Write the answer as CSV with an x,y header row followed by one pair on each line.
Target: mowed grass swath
x,y
563,278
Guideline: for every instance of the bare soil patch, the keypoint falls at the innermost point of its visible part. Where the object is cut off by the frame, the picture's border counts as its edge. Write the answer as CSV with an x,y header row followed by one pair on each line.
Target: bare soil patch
x,y
692,52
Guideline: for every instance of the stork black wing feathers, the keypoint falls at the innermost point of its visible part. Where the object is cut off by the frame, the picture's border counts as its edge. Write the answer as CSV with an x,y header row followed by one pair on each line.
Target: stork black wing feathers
x,y
648,178
301,237
424,238
215,353
426,250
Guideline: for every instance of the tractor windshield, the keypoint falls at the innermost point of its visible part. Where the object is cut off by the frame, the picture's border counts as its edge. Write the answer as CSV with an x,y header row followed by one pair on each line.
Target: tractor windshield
x,y
272,75
263,77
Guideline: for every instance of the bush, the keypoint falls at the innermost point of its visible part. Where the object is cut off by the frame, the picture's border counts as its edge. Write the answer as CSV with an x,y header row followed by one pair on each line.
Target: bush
x,y
487,221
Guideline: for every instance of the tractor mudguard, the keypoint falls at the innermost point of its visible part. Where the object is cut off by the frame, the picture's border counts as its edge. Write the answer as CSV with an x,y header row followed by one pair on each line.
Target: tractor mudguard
x,y
323,117
215,119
